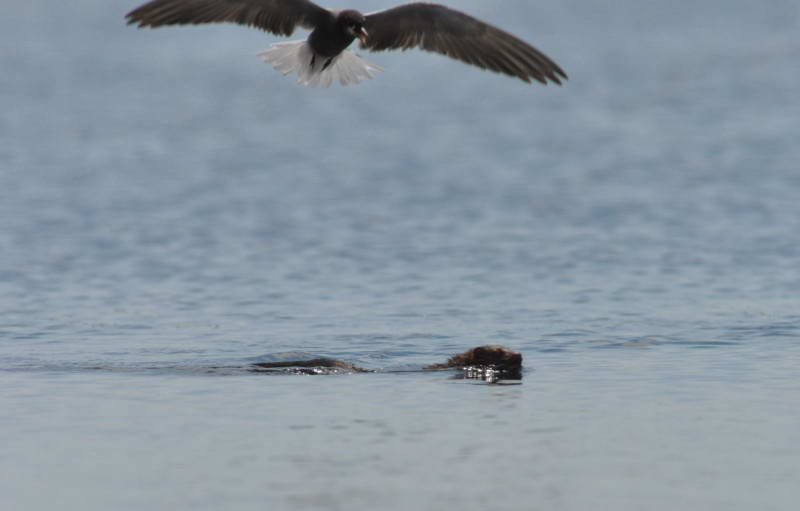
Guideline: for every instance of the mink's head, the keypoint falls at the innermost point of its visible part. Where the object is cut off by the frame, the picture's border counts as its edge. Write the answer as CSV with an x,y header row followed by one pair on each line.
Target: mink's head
x,y
498,356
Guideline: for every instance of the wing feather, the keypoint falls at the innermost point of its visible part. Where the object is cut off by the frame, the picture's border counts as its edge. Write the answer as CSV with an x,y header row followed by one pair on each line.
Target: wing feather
x,y
276,16
439,29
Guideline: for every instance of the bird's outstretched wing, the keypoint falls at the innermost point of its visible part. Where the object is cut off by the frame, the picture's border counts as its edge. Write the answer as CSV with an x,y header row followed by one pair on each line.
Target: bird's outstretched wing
x,y
443,30
276,16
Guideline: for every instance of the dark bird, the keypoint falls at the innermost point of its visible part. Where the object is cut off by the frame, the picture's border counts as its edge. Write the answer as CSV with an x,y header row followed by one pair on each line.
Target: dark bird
x,y
324,57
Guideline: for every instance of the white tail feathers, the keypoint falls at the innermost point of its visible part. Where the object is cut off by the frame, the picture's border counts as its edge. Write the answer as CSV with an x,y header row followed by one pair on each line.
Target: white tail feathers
x,y
297,56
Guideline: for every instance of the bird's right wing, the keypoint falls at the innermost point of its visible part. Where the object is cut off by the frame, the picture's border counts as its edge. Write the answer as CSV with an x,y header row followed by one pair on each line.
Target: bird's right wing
x,y
276,16
443,30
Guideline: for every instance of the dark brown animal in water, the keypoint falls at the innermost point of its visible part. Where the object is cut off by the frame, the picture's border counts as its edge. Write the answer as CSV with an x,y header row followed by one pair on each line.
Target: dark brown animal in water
x,y
489,357
498,357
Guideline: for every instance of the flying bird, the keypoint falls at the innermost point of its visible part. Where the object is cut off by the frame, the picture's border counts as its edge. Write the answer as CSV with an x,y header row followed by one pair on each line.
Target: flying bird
x,y
324,58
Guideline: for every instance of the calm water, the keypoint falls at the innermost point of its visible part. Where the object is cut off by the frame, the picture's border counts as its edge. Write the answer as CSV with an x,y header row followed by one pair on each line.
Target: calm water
x,y
167,200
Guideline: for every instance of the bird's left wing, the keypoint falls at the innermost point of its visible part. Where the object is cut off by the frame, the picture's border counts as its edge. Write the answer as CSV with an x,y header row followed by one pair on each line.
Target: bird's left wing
x,y
443,30
276,16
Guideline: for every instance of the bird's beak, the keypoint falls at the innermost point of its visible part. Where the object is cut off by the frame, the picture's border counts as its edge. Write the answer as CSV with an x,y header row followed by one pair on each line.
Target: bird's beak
x,y
362,36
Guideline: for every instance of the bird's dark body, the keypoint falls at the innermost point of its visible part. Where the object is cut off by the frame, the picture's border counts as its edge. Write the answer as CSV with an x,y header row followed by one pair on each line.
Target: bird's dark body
x,y
330,39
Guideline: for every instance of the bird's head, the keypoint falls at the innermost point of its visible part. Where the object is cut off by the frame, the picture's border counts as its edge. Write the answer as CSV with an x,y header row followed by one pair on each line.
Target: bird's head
x,y
353,23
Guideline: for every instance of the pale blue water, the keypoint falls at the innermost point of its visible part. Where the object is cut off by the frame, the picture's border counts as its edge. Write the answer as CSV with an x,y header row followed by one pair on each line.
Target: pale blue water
x,y
167,200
